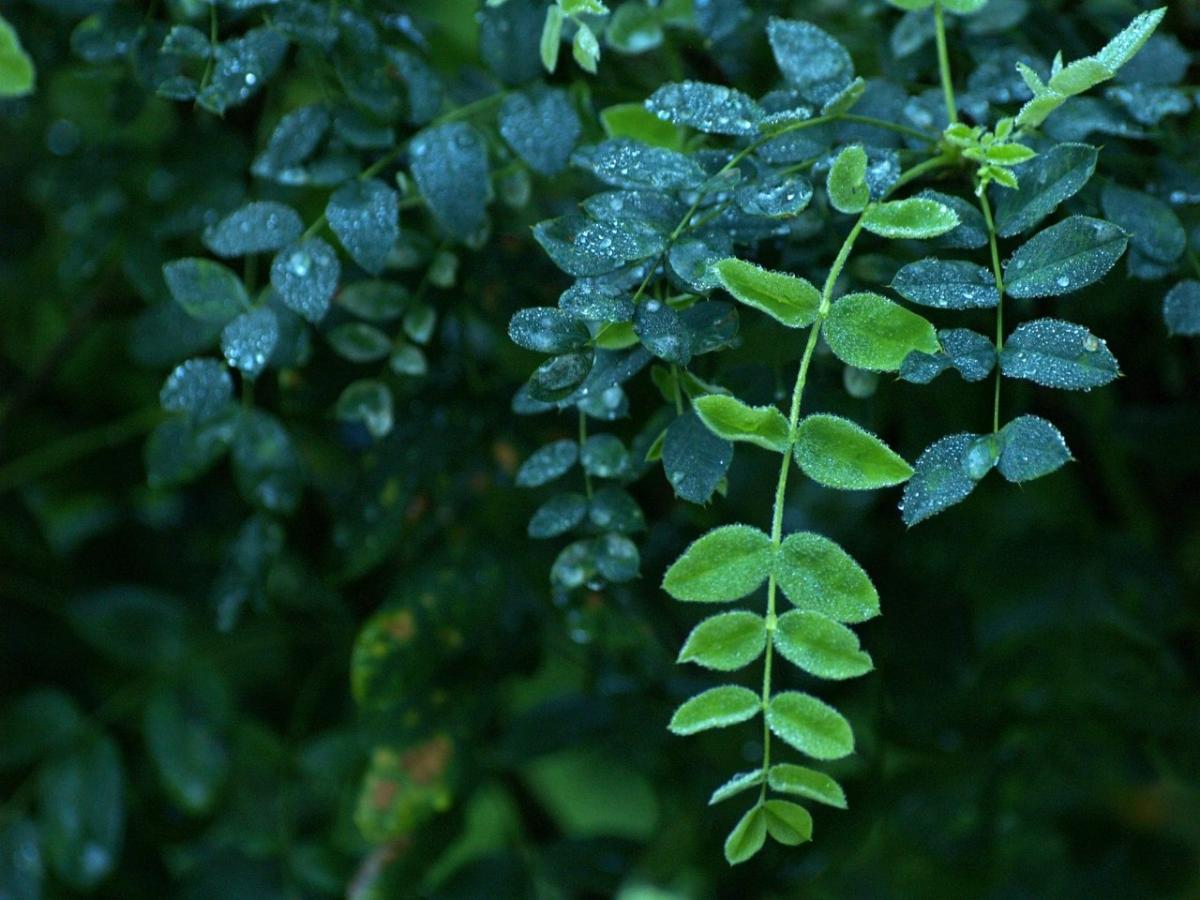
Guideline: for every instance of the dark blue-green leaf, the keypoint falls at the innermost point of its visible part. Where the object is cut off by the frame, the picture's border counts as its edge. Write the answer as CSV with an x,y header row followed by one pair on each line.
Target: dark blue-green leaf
x,y
1058,354
1065,257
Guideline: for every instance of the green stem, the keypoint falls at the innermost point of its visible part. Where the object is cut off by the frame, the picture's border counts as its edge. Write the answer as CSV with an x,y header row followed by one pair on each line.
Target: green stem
x,y
587,479
944,62
814,334
75,447
835,272
676,389
986,208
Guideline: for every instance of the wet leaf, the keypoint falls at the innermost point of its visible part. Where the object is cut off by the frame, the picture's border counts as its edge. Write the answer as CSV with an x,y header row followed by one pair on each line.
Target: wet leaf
x,y
1058,354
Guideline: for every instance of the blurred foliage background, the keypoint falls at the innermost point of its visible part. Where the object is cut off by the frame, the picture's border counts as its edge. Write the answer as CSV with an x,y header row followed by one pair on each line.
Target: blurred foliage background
x,y
390,703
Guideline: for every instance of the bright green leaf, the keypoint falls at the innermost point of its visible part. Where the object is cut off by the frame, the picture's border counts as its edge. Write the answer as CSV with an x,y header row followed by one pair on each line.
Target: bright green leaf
x,y
837,453
810,726
726,564
733,420
871,332
788,823
847,181
16,68
717,707
788,778
736,785
816,574
747,836
820,646
788,299
916,217
726,642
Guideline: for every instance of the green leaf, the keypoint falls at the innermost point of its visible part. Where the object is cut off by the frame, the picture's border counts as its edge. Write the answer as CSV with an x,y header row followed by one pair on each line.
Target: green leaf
x,y
816,574
1030,447
820,646
201,389
788,823
726,642
844,99
775,196
847,181
813,62
736,785
81,812
747,836
972,354
604,456
1154,229
249,340
1079,76
367,402
1065,257
810,726
206,290
551,37
613,509
663,331
726,564
365,216
788,778
1181,308
916,217
450,166
940,479
547,463
964,7
305,276
1058,354
1125,45
632,165
717,707
694,459
633,120
710,108
16,68
788,299
971,232
911,5
947,284
359,342
558,515
586,248
542,126
871,332
733,420
837,453
633,29
257,227
545,329
184,724
586,49
1044,183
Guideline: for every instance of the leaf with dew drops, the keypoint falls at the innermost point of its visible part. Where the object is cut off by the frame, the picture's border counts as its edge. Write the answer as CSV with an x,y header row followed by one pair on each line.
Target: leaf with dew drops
x,y
1063,258
256,227
1058,354
305,276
